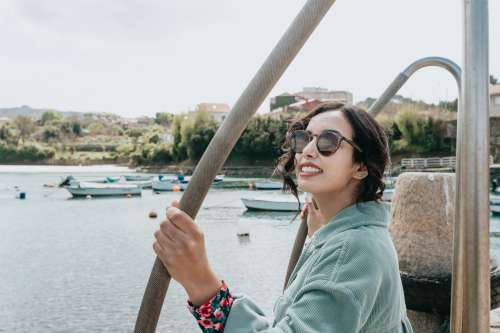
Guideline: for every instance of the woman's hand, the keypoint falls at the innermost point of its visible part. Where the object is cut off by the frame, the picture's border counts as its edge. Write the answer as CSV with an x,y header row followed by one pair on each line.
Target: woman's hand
x,y
180,245
315,219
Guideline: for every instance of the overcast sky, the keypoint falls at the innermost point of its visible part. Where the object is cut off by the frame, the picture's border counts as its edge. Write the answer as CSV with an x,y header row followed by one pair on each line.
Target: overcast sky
x,y
139,57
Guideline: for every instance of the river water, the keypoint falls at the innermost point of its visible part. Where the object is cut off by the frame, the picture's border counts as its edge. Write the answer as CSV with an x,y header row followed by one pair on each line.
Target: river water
x,y
79,265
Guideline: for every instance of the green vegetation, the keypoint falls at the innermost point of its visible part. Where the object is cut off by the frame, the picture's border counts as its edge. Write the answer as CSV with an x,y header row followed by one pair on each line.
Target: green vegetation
x,y
413,128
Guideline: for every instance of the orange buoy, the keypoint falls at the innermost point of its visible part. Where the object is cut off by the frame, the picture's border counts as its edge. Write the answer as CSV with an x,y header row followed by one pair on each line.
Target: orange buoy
x,y
176,188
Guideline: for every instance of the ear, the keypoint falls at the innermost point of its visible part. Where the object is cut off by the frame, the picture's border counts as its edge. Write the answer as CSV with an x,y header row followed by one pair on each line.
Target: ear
x,y
360,171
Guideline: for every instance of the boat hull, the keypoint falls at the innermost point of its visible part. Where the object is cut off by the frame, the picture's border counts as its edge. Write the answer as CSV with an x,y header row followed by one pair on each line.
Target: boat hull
x,y
103,191
168,185
268,186
269,205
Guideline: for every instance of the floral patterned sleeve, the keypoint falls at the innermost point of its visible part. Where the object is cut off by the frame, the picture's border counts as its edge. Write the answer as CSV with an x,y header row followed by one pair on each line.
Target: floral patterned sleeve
x,y
212,315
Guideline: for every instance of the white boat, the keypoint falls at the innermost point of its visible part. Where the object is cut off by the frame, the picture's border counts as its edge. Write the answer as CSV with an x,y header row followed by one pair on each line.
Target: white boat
x,y
136,178
288,205
106,180
187,179
218,178
387,195
84,189
495,203
164,184
268,186
141,183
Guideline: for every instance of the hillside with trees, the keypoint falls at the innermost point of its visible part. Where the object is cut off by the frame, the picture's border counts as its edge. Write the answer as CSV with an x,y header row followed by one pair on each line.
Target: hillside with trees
x,y
414,128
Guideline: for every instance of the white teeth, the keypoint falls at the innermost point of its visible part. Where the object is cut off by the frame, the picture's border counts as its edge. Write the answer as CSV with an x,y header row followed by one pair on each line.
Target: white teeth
x,y
309,169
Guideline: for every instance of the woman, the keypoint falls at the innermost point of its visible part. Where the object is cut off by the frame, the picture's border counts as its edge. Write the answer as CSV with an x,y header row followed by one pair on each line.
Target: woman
x,y
347,278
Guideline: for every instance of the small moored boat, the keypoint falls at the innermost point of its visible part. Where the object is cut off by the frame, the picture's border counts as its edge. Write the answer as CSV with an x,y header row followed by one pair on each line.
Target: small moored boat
x,y
165,184
288,205
387,195
84,189
495,203
137,178
268,186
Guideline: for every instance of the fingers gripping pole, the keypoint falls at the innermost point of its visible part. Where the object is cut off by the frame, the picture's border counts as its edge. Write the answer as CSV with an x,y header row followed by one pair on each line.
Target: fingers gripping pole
x,y
225,139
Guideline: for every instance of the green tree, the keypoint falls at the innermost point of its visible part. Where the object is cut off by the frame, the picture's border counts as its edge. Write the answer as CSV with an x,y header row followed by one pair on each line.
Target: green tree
x,y
51,117
51,133
7,134
410,124
164,118
451,106
179,152
196,133
25,126
96,128
135,134
76,128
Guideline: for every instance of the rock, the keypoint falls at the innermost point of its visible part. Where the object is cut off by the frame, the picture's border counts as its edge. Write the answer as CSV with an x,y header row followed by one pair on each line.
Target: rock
x,y
422,217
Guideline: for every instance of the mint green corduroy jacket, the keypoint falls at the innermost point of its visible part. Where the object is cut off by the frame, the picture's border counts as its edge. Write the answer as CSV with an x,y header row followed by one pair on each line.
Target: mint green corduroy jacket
x,y
346,281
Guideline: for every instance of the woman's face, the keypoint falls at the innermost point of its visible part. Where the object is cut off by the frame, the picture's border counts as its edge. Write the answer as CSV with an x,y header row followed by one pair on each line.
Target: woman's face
x,y
320,174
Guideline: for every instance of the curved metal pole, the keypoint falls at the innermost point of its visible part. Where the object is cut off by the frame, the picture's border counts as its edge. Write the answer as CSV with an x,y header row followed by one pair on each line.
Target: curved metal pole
x,y
224,140
402,77
459,231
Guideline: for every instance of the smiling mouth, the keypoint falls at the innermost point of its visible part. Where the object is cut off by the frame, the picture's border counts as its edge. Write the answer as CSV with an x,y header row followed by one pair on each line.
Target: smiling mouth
x,y
307,171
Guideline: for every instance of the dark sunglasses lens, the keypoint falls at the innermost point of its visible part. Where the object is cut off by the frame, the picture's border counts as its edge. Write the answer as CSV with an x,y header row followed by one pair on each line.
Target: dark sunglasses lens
x,y
299,141
328,143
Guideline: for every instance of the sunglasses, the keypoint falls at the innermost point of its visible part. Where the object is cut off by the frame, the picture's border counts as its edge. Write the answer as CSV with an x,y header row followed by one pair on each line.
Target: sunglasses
x,y
327,142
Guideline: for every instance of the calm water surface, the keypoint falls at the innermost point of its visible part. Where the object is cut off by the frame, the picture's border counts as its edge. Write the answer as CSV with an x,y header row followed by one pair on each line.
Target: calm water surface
x,y
82,265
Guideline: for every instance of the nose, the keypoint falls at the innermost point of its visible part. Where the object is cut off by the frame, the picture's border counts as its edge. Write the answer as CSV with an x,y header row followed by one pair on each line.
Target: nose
x,y
310,149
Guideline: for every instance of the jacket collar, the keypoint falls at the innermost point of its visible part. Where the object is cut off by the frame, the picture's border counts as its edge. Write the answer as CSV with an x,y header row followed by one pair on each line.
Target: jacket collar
x,y
362,214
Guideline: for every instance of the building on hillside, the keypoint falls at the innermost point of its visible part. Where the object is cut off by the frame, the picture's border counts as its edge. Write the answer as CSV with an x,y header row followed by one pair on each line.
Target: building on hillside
x,y
323,94
306,100
219,111
494,123
495,100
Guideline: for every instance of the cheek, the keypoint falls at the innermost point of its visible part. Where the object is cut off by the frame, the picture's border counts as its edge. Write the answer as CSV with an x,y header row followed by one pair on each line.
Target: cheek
x,y
338,169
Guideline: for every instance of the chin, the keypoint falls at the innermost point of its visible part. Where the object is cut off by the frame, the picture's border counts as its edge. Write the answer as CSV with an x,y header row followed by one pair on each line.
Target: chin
x,y
308,186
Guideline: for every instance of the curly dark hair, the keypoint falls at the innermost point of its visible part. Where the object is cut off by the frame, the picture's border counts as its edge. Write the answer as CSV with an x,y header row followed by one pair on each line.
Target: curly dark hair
x,y
367,134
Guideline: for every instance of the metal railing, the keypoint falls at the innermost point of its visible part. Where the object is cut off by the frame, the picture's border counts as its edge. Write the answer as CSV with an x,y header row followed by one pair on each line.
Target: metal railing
x,y
432,162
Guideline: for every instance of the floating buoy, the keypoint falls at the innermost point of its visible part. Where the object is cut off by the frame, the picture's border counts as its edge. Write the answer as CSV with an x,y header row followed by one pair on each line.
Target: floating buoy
x,y
243,228
176,188
88,196
129,195
251,185
153,214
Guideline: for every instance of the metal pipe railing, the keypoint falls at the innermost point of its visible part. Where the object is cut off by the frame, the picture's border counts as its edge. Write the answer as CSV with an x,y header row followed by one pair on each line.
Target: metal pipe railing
x,y
224,140
470,298
458,228
473,190
402,77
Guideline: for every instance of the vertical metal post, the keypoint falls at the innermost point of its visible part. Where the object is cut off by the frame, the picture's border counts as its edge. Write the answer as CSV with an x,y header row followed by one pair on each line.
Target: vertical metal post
x,y
472,244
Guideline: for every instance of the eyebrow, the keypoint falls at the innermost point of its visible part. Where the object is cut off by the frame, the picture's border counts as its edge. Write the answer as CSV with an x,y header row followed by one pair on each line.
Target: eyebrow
x,y
327,129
